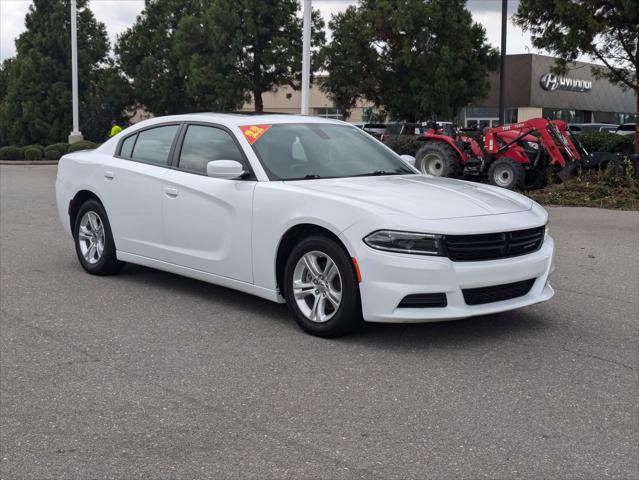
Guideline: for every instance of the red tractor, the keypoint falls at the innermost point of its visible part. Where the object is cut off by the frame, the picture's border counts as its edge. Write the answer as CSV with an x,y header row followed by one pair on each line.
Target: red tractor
x,y
512,156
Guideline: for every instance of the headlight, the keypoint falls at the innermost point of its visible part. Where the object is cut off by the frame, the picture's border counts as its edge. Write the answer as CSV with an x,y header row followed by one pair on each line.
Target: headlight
x,y
547,230
405,242
531,145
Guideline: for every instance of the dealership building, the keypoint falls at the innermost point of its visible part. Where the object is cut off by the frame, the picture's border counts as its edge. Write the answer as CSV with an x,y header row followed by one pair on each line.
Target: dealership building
x,y
531,90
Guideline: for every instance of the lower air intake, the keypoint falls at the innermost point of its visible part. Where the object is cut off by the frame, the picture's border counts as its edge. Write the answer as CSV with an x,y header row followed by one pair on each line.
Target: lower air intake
x,y
497,293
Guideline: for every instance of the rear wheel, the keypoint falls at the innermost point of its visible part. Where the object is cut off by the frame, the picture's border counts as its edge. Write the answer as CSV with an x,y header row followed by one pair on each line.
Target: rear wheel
x,y
506,173
437,159
320,286
94,243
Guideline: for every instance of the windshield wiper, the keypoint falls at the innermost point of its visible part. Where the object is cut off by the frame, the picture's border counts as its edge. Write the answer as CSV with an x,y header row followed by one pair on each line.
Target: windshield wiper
x,y
310,176
378,172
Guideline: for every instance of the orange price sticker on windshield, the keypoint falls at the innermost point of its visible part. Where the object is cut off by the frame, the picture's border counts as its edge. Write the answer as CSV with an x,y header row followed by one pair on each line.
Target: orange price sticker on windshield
x,y
253,132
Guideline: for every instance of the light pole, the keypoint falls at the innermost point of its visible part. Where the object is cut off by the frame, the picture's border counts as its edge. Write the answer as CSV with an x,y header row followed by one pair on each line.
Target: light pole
x,y
306,57
75,135
502,68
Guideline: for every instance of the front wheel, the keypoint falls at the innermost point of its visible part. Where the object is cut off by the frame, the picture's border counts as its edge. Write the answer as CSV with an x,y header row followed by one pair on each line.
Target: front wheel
x,y
506,173
320,287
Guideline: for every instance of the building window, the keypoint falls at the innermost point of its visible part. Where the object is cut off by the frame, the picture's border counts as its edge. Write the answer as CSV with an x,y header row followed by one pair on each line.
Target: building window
x,y
481,123
613,117
567,115
327,112
482,112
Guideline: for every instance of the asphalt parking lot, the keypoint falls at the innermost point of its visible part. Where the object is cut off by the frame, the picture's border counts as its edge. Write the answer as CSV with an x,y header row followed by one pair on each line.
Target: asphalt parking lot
x,y
151,375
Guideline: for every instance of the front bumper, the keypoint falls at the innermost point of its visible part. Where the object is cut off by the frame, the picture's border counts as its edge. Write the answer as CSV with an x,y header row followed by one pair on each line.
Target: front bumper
x,y
388,277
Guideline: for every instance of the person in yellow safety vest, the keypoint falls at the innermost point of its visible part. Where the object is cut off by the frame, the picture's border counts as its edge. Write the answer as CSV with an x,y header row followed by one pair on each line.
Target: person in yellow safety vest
x,y
115,129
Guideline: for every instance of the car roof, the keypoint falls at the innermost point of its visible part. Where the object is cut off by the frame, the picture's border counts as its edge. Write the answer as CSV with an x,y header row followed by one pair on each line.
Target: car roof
x,y
239,119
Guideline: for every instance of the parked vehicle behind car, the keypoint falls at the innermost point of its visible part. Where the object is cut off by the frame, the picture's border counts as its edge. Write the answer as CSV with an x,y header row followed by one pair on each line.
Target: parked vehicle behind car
x,y
307,211
626,129
592,127
374,129
403,128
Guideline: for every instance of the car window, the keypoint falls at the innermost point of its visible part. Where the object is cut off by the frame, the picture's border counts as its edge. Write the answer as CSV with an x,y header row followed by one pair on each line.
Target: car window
x,y
203,144
127,146
154,145
304,151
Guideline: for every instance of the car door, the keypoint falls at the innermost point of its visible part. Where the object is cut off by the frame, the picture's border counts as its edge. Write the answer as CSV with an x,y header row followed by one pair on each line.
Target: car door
x,y
133,189
207,221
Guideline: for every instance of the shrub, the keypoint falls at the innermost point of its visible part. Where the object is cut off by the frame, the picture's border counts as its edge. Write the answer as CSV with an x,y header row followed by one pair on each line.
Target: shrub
x,y
58,147
11,153
52,155
33,154
38,147
83,145
606,142
404,144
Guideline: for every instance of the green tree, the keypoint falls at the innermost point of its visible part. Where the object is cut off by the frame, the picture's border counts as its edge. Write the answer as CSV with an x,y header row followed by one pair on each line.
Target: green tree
x,y
238,49
36,102
4,78
105,99
415,59
145,52
606,30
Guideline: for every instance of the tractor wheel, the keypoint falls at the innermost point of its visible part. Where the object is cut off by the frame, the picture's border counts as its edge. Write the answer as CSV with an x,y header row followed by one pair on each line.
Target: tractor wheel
x,y
506,173
437,159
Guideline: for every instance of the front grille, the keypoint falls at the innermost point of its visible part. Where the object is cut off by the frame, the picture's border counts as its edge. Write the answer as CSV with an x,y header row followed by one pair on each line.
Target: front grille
x,y
424,300
497,293
491,246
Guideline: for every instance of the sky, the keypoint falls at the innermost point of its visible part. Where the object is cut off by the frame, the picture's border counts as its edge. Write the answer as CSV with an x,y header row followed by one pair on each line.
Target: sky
x,y
117,15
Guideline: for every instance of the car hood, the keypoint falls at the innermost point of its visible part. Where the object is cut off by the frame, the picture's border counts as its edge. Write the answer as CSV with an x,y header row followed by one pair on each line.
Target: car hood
x,y
420,196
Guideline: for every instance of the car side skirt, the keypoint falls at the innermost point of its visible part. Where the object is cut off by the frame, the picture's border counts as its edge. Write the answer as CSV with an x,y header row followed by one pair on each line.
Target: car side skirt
x,y
201,275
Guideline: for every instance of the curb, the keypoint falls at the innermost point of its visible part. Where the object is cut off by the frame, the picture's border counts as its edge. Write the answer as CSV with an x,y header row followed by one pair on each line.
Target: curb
x,y
28,162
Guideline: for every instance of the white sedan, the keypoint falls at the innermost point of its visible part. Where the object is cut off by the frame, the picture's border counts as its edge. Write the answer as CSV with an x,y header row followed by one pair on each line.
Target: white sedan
x,y
307,211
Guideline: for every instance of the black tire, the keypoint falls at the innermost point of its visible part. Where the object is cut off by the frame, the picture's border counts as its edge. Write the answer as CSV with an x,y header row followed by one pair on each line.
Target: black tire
x,y
107,263
438,159
348,316
506,173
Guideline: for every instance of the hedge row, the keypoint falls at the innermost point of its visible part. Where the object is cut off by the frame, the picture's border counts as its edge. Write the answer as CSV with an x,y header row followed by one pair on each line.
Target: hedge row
x,y
606,142
39,152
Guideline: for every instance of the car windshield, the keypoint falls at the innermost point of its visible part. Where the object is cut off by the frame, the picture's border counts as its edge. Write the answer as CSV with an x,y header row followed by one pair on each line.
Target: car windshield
x,y
310,151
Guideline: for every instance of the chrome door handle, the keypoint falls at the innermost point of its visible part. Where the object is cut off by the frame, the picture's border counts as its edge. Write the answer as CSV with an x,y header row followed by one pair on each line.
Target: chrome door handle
x,y
109,175
171,192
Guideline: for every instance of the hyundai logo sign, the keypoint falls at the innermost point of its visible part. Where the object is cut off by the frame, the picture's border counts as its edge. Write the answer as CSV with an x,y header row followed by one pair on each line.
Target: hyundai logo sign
x,y
551,81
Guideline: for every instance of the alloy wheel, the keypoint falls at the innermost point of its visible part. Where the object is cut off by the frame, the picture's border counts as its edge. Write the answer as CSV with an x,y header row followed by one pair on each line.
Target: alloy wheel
x,y
91,237
317,286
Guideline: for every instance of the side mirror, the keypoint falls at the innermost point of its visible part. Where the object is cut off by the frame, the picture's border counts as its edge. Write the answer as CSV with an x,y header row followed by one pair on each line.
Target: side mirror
x,y
227,169
408,159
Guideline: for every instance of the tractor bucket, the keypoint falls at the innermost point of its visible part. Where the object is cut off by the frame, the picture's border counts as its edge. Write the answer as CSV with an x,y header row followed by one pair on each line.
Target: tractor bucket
x,y
568,171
